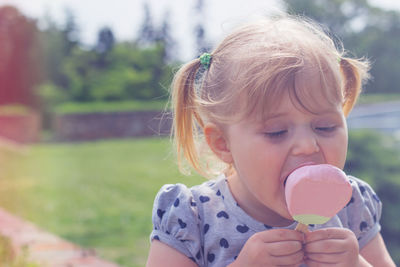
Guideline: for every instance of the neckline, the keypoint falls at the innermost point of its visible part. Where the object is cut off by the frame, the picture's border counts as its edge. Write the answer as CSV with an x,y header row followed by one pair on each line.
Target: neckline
x,y
244,218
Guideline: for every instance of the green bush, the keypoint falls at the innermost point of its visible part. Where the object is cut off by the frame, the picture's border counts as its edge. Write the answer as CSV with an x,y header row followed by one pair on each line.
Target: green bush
x,y
375,157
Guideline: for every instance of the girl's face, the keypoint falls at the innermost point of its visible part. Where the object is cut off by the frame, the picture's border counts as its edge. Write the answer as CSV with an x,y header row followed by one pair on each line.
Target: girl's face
x,y
264,153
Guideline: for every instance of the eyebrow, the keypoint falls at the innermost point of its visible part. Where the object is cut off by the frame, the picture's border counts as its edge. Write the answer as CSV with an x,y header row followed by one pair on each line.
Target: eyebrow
x,y
319,113
275,115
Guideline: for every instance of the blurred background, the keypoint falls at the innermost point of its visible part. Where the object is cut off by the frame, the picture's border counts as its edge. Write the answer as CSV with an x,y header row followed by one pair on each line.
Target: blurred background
x,y
84,143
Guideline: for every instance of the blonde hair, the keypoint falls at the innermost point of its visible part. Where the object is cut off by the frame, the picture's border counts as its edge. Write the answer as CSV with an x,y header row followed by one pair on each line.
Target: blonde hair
x,y
251,70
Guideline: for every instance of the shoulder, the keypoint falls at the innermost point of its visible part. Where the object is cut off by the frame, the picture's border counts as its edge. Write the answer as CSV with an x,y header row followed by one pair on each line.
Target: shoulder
x,y
362,188
177,216
170,195
363,196
173,208
180,198
363,211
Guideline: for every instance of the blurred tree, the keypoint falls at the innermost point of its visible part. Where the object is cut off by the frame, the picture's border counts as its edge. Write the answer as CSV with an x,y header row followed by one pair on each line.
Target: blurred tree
x,y
365,31
70,32
381,169
157,45
111,70
79,68
58,42
202,45
104,46
380,40
341,17
105,40
147,32
54,45
129,74
152,35
165,40
20,68
128,77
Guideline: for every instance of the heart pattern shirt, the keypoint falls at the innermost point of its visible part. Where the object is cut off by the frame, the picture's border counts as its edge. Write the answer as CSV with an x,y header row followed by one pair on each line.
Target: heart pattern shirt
x,y
206,224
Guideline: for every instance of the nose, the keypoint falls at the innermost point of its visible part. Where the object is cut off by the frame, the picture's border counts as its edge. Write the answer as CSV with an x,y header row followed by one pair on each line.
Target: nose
x,y
304,143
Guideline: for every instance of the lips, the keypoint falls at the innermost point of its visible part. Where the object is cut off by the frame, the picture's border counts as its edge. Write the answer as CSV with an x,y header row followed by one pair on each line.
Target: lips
x,y
298,166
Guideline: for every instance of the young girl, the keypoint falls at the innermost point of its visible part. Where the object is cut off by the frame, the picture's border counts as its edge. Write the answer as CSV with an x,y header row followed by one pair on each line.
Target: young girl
x,y
273,96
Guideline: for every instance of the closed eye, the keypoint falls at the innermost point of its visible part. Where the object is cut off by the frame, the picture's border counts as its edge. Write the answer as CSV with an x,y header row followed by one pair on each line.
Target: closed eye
x,y
326,129
276,134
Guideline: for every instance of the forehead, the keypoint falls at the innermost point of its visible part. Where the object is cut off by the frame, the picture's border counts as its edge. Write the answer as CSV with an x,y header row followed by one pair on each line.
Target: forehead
x,y
315,89
287,104
308,90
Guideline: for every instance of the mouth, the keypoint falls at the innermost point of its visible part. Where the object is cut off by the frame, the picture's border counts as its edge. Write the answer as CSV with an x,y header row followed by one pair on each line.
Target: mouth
x,y
297,167
284,182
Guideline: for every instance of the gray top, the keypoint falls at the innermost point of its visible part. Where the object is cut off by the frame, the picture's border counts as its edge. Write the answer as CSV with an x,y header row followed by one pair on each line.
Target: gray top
x,y
207,225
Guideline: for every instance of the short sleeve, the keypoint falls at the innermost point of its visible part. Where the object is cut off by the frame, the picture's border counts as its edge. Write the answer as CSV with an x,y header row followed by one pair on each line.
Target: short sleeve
x,y
175,220
364,211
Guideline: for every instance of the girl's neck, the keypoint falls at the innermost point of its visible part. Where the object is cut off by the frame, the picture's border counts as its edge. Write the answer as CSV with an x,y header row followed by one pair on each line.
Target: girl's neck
x,y
253,207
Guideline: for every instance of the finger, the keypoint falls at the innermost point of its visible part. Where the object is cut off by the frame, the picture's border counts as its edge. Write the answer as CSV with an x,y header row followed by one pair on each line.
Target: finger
x,y
326,246
278,235
288,260
326,233
325,257
284,248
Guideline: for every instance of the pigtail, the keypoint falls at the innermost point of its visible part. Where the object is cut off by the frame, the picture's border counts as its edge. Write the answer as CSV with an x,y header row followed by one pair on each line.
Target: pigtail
x,y
354,73
186,120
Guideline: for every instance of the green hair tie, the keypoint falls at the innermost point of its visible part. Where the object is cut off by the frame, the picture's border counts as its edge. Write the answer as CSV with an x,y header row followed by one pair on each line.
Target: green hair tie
x,y
205,60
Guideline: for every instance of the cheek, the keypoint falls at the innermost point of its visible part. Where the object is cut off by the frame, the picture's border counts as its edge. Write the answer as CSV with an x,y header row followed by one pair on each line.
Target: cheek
x,y
337,151
260,164
344,153
252,156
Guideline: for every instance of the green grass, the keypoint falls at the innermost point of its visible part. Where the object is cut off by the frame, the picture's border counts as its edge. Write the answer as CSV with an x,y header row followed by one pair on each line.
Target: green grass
x,y
98,194
89,107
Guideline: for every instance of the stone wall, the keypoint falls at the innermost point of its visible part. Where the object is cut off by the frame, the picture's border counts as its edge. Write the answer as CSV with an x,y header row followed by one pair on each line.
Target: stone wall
x,y
24,128
92,126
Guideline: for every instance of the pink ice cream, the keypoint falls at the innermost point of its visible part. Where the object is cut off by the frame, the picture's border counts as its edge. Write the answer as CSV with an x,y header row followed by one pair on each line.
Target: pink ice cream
x,y
315,193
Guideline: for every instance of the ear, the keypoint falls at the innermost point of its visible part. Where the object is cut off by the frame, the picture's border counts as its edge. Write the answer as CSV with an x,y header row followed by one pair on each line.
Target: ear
x,y
218,142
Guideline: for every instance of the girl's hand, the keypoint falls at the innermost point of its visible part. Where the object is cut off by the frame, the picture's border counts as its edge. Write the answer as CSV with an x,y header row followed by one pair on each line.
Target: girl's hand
x,y
272,248
331,247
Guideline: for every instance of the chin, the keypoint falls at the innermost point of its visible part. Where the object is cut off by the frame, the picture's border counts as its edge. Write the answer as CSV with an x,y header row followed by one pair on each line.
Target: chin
x,y
285,214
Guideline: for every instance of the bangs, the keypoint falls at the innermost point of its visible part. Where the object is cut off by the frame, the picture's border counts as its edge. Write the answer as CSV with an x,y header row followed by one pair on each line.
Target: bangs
x,y
315,88
310,86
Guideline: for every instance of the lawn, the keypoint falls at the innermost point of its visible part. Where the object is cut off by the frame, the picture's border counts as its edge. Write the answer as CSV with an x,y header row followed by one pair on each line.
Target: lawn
x,y
97,194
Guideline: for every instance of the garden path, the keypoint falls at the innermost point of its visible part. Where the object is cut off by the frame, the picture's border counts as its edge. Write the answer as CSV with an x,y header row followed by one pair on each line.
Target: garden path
x,y
46,249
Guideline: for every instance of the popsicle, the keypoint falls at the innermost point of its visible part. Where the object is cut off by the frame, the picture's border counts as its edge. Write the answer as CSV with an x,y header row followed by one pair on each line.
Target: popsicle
x,y
315,193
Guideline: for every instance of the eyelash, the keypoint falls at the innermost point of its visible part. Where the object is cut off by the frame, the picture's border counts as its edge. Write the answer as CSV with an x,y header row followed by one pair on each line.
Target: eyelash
x,y
277,134
326,129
